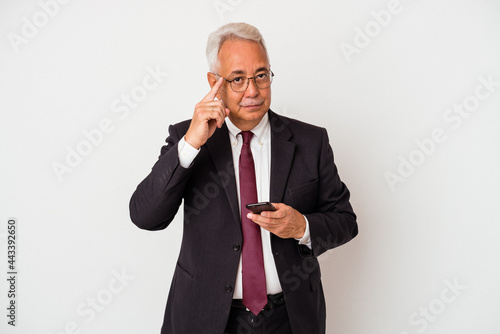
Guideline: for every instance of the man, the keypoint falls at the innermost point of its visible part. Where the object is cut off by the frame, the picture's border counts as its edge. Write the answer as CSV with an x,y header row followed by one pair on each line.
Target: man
x,y
239,272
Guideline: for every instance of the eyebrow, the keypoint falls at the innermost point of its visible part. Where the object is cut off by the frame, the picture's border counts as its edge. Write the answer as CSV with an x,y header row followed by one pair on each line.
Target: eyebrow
x,y
260,69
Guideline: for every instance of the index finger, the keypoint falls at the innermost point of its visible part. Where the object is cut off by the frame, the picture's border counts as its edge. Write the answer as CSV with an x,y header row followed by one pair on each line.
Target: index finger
x,y
213,92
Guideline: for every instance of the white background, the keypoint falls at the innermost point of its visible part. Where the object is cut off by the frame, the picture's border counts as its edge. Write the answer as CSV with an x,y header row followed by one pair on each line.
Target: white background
x,y
439,227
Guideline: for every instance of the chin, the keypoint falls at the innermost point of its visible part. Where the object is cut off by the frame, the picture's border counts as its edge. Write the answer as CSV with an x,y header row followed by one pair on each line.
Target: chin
x,y
255,115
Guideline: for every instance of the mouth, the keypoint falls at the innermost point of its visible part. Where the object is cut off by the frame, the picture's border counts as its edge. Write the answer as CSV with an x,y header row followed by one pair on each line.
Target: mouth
x,y
252,106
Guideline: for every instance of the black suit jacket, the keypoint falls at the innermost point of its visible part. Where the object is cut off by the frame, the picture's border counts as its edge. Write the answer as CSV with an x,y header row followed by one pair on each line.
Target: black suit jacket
x,y
303,175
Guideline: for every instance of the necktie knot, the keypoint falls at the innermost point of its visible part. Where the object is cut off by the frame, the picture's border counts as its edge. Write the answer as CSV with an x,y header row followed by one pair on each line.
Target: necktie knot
x,y
247,136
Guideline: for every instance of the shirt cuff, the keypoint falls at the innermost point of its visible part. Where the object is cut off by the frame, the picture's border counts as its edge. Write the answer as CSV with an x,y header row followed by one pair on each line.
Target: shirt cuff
x,y
306,238
186,152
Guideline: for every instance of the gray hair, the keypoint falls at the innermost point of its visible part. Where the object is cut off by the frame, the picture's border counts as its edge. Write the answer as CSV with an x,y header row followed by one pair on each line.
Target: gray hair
x,y
241,31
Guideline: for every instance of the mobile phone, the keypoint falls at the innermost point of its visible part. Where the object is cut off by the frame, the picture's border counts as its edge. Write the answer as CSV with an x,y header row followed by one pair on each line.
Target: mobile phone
x,y
261,206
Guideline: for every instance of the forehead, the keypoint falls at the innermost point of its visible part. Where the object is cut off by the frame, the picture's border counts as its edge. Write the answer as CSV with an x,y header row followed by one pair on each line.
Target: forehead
x,y
242,56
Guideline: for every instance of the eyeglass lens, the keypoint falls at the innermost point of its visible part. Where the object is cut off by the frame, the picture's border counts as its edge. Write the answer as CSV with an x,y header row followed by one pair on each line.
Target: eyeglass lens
x,y
262,80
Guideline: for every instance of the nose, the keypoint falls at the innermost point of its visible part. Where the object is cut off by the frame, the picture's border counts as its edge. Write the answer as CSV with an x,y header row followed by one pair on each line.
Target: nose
x,y
252,90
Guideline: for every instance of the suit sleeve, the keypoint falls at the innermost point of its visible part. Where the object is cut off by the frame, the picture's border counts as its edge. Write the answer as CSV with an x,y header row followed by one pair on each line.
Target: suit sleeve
x,y
334,223
157,198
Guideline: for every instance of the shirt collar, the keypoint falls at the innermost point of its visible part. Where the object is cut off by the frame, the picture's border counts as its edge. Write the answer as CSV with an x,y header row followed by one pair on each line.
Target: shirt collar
x,y
259,131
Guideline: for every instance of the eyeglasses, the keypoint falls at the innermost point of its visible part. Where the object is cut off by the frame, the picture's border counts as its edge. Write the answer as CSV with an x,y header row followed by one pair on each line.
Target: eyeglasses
x,y
240,84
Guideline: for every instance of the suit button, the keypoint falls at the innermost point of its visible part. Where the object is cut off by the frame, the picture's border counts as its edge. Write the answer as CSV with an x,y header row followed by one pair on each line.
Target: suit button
x,y
236,247
228,288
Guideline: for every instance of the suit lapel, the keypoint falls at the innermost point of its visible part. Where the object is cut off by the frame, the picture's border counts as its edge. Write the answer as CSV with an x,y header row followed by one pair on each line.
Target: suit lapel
x,y
219,148
282,151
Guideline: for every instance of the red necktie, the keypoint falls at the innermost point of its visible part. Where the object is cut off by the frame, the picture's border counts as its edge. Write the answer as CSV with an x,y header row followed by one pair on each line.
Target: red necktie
x,y
253,275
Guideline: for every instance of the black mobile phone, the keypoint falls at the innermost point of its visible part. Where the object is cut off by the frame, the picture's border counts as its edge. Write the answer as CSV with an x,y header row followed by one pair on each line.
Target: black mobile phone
x,y
261,206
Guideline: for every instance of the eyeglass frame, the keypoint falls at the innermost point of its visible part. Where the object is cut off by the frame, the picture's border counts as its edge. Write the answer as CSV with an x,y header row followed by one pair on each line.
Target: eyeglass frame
x,y
248,81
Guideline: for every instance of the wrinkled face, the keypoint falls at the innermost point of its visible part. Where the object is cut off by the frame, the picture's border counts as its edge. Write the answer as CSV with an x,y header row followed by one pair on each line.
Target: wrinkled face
x,y
241,58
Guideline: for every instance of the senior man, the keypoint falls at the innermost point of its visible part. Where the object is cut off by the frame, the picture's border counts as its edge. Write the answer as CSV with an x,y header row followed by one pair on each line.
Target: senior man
x,y
237,271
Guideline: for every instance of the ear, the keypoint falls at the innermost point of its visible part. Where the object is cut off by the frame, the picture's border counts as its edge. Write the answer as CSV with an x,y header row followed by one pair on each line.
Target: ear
x,y
212,79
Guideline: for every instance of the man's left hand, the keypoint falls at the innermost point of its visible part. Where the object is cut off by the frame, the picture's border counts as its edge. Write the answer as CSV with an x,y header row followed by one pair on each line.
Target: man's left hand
x,y
285,222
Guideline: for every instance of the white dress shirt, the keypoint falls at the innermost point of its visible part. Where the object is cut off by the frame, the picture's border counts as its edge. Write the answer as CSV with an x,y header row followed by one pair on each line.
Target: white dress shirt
x,y
261,151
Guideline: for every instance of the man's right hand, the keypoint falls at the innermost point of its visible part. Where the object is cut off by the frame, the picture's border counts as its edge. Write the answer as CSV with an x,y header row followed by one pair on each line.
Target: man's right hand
x,y
209,114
